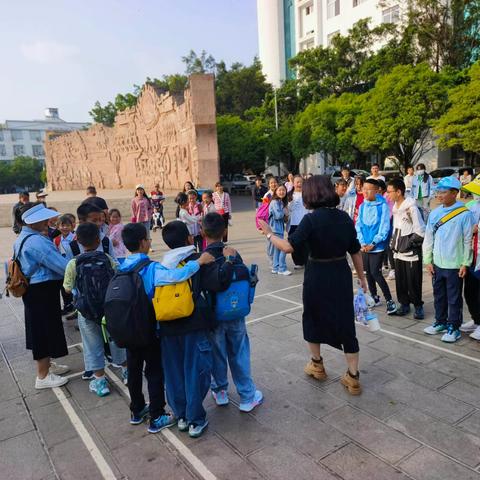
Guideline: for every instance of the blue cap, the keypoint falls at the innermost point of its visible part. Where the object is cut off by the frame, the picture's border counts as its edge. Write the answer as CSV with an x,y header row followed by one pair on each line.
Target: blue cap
x,y
447,183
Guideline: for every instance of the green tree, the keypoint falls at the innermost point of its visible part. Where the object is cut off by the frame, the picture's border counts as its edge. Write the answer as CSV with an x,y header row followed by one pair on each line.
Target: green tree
x,y
26,172
203,63
460,124
399,111
5,177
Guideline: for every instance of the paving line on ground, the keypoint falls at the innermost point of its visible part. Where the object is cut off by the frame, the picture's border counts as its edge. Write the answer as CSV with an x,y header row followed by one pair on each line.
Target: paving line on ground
x,y
278,291
182,449
283,312
285,300
93,450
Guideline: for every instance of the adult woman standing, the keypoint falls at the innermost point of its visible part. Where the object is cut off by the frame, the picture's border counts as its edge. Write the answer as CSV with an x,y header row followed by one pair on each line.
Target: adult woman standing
x,y
223,206
328,315
44,266
422,189
297,211
142,210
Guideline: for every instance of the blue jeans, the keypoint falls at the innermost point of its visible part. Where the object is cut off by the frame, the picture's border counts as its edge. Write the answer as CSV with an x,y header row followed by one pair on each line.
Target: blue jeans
x,y
230,343
93,350
187,367
447,296
279,258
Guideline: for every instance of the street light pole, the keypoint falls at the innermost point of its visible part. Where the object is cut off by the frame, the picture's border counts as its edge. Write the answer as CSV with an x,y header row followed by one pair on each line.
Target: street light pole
x,y
276,109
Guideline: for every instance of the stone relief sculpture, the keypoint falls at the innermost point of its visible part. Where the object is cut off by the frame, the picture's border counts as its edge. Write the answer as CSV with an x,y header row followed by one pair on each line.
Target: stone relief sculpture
x,y
165,138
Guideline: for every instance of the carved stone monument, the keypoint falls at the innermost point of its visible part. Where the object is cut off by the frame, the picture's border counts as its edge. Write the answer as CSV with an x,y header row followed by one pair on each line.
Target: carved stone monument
x,y
165,138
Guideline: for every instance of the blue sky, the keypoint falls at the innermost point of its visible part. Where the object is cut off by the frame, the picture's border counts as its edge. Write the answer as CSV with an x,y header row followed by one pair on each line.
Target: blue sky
x,y
70,53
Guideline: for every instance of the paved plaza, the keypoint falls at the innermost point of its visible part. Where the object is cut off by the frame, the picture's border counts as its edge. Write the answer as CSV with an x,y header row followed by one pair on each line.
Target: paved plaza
x,y
417,418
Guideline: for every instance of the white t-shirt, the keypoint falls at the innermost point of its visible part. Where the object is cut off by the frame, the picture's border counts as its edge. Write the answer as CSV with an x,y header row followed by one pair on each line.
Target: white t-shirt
x,y
297,209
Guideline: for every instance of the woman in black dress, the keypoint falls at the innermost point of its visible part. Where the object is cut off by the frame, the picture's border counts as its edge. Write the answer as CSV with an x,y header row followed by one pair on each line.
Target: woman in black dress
x,y
324,237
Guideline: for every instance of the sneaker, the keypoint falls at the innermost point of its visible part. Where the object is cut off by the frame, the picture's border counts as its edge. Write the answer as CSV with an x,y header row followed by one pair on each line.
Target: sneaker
x,y
452,335
72,316
468,327
50,381
377,300
182,425
249,406
476,334
99,386
195,430
316,369
221,397
87,375
58,369
352,384
298,267
419,313
285,272
138,419
163,421
391,275
125,376
403,310
391,307
437,327
274,272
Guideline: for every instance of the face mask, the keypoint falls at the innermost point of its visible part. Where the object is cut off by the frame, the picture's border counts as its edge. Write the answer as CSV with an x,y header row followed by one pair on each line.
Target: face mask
x,y
420,172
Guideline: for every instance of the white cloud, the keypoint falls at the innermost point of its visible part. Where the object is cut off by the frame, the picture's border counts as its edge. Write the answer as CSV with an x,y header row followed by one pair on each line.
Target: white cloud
x,y
46,52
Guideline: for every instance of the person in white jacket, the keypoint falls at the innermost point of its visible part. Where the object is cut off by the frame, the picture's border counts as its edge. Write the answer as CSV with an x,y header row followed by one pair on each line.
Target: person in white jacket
x,y
406,244
422,189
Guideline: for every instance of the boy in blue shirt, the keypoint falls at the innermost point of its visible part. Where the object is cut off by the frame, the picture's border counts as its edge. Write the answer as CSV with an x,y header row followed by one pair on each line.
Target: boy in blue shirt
x,y
447,254
135,238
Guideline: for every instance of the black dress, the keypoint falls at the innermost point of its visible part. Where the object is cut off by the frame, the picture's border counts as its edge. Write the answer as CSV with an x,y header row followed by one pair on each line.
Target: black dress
x,y
324,237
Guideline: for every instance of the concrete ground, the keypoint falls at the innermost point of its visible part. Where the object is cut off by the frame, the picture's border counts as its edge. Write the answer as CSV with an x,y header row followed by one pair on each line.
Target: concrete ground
x,y
417,417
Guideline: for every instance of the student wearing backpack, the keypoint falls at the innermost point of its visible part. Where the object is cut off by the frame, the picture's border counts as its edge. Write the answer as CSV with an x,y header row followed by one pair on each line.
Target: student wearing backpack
x,y
231,345
88,276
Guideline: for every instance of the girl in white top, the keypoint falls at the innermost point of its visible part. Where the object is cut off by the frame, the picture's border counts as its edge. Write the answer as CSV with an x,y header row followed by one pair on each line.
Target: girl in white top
x,y
296,209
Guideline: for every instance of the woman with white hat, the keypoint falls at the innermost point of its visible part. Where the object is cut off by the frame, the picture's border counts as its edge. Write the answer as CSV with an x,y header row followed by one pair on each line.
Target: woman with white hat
x,y
44,268
142,209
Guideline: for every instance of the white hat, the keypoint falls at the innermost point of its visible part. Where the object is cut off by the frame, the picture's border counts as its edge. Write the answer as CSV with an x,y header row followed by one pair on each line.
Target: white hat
x,y
139,186
42,193
38,213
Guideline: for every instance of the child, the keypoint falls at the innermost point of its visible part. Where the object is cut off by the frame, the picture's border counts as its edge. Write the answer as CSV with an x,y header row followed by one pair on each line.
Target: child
x,y
195,209
88,236
157,219
278,215
447,254
373,229
184,215
115,235
186,349
53,231
388,260
134,236
207,203
229,339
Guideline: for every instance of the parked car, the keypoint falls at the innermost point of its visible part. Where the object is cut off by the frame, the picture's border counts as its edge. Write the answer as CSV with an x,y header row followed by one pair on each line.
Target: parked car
x,y
237,183
442,172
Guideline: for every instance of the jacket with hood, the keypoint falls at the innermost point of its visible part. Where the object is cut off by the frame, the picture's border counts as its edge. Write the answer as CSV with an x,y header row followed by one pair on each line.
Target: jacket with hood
x,y
373,224
408,231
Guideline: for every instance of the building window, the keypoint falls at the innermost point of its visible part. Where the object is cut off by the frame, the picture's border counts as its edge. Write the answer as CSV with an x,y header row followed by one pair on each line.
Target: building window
x,y
2,137
18,149
356,3
17,135
330,37
36,135
3,151
38,151
308,10
391,15
333,8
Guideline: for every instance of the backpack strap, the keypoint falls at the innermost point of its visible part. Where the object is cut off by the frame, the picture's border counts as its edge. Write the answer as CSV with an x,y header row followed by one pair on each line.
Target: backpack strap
x,y
75,247
449,216
21,246
105,244
140,265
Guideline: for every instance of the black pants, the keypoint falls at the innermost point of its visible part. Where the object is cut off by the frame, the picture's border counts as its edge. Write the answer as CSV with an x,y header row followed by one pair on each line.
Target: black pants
x,y
447,296
226,217
151,356
388,260
372,262
471,292
408,281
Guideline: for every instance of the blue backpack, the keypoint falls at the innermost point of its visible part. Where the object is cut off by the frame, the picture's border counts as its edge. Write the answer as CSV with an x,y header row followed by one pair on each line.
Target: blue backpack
x,y
234,303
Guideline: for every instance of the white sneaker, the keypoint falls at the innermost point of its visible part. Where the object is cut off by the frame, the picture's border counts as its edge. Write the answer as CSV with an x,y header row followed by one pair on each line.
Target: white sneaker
x,y
50,381
274,272
298,267
286,273
468,327
58,369
391,275
476,334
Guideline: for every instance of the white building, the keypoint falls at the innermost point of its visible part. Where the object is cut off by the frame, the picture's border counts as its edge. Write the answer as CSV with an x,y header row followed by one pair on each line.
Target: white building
x,y
286,27
27,137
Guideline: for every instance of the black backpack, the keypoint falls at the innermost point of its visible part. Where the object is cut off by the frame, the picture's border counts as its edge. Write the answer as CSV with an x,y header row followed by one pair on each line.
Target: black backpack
x,y
128,310
94,272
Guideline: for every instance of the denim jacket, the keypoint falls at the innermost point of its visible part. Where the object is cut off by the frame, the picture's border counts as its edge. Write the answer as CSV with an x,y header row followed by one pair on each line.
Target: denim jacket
x,y
276,217
39,258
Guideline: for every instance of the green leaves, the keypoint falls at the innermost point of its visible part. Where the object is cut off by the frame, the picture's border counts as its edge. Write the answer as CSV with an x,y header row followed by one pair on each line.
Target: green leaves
x,y
23,172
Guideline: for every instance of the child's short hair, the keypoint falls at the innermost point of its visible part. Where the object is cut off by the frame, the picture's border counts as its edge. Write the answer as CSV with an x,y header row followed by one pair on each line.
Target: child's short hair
x,y
372,181
192,192
208,193
85,209
213,225
397,184
342,182
115,210
181,198
175,234
132,235
72,217
87,234
65,220
382,185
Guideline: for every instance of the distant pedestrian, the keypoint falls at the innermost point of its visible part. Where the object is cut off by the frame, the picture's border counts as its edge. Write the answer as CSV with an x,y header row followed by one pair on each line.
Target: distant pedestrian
x,y
42,197
258,192
223,206
115,235
296,212
142,210
375,173
23,198
422,189
289,182
408,179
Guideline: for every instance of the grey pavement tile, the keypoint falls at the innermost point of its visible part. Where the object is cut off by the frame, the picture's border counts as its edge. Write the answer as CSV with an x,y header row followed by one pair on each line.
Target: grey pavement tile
x,y
416,373
267,305
22,457
397,322
280,321
295,315
14,419
15,348
466,392
11,331
471,423
458,368
454,442
9,388
431,402
364,336
353,463
381,439
426,464
40,398
283,462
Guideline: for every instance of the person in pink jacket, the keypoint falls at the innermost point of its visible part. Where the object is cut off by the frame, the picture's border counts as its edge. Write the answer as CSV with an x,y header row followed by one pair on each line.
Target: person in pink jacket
x,y
142,210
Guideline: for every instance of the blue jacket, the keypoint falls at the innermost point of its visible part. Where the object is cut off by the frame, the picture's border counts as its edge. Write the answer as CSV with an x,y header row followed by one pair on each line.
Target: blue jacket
x,y
373,223
276,216
39,258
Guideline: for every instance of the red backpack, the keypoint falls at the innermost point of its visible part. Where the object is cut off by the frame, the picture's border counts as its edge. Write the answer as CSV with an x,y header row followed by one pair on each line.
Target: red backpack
x,y
262,213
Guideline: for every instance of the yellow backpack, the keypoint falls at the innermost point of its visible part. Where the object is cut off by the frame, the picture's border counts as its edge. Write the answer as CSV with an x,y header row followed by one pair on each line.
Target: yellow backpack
x,y
175,301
